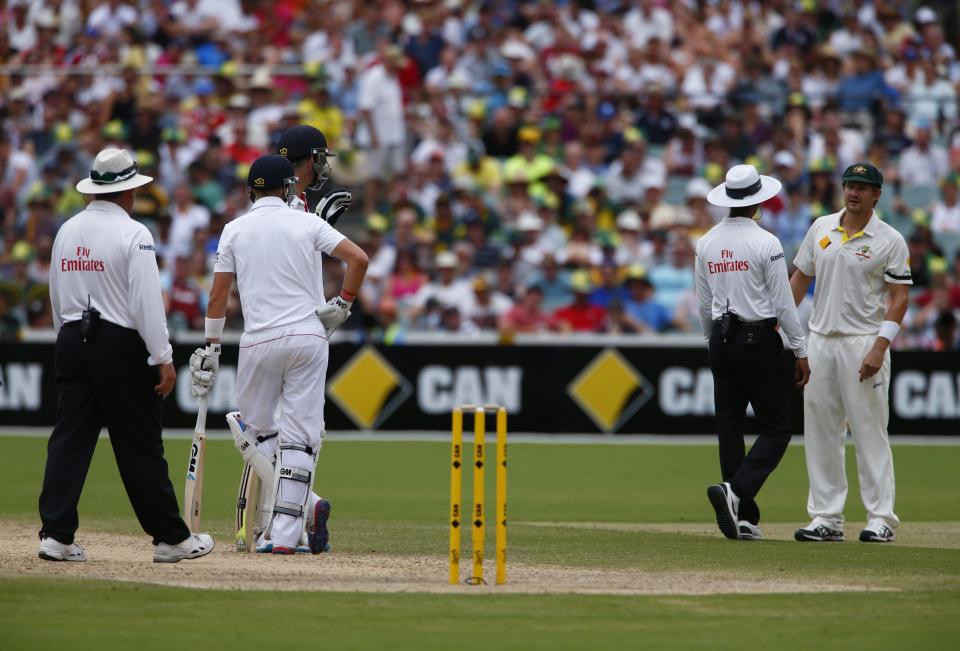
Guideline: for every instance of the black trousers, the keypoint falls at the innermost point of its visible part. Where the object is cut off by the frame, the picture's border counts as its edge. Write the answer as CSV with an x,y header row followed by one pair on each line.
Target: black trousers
x,y
751,367
107,382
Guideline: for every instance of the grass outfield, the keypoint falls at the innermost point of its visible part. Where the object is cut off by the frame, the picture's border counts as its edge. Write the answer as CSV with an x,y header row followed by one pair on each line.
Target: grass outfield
x,y
580,506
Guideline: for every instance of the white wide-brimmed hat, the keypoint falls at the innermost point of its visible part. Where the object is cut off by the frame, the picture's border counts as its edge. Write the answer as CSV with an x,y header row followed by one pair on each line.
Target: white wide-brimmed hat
x,y
744,187
113,171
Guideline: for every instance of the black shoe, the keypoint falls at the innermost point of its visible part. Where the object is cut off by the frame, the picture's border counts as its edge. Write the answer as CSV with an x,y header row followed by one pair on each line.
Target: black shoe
x,y
877,533
818,533
725,503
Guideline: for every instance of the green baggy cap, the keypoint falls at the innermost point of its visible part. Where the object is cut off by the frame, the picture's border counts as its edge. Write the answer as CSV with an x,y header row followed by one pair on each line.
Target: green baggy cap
x,y
863,173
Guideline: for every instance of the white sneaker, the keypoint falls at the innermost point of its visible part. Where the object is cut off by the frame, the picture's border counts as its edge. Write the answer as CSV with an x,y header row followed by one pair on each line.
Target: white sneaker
x,y
197,545
265,546
726,504
54,550
877,532
749,531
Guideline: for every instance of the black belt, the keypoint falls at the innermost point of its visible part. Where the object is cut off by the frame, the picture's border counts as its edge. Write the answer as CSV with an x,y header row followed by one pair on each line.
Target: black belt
x,y
103,324
762,323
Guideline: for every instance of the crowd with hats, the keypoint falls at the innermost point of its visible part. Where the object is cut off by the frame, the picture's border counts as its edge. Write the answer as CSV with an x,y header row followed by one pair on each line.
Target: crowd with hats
x,y
515,166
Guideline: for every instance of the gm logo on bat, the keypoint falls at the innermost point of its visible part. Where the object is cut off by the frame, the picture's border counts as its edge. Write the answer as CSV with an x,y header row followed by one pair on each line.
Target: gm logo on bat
x,y
192,466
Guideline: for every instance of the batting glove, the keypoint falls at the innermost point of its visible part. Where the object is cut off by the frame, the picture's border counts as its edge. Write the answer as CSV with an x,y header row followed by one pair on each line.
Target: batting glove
x,y
333,205
204,364
334,313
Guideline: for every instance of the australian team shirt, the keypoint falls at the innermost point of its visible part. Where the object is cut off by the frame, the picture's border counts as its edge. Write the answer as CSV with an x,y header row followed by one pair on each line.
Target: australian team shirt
x,y
741,266
852,272
103,258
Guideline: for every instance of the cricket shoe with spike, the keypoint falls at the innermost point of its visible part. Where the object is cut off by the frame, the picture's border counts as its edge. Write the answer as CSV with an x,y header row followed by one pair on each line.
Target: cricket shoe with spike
x,y
726,504
54,550
195,546
877,532
266,547
814,532
318,534
749,531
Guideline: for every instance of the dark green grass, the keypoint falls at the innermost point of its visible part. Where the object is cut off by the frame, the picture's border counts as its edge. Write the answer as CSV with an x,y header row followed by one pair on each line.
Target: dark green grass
x,y
75,615
391,497
407,482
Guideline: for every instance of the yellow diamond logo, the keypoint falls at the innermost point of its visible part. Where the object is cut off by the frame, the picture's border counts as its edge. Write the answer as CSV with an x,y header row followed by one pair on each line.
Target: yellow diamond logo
x,y
368,389
610,390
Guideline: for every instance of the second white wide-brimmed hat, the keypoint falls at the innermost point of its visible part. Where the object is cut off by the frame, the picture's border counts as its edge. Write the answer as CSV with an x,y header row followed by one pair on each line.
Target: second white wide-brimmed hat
x,y
744,187
113,171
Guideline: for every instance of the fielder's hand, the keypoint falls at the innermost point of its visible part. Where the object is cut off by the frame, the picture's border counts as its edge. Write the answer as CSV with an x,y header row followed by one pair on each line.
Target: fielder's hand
x,y
333,205
204,363
874,360
334,313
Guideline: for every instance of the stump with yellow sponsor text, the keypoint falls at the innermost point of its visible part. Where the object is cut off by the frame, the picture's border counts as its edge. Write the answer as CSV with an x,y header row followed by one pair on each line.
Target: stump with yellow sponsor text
x,y
477,517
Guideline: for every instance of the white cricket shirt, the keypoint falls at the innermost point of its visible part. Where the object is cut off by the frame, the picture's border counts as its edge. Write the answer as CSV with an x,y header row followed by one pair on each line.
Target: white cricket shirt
x,y
852,273
104,254
381,94
739,262
272,250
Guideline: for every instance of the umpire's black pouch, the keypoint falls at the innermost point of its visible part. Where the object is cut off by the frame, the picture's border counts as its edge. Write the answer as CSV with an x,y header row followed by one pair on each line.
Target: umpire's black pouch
x,y
729,323
89,323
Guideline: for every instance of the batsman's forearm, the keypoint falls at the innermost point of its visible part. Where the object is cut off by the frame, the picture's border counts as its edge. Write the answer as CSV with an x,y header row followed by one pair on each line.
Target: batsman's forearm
x,y
356,271
357,262
219,293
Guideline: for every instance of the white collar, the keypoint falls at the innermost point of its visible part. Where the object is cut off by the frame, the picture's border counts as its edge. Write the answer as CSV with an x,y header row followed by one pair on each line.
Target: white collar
x,y
264,202
106,206
738,221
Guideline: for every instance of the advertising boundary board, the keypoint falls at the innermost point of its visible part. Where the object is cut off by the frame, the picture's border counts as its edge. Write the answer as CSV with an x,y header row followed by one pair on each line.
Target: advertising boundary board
x,y
545,388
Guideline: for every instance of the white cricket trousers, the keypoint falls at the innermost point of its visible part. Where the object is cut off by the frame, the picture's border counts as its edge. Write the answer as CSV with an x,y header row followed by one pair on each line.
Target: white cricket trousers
x,y
281,376
833,400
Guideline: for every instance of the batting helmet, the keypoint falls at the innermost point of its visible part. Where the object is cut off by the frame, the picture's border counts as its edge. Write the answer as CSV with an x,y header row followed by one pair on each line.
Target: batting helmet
x,y
271,172
303,141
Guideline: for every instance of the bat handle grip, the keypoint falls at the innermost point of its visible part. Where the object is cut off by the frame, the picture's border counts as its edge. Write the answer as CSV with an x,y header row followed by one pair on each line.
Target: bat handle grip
x,y
202,415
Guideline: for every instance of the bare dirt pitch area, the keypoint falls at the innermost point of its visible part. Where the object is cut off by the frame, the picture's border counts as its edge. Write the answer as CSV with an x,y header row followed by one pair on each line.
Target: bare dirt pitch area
x,y
128,558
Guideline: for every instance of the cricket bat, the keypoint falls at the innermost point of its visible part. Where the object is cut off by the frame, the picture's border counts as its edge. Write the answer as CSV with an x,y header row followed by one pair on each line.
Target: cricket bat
x,y
193,490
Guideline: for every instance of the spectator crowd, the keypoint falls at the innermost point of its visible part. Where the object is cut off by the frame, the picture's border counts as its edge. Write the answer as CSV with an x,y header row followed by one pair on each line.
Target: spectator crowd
x,y
517,166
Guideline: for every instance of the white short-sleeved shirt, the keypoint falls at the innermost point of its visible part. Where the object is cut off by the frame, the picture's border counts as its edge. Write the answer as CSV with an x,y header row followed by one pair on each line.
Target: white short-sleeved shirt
x,y
272,250
852,273
106,260
740,266
380,93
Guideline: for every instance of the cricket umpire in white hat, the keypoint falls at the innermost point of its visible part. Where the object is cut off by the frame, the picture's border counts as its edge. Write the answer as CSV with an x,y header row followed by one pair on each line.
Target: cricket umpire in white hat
x,y
744,293
114,365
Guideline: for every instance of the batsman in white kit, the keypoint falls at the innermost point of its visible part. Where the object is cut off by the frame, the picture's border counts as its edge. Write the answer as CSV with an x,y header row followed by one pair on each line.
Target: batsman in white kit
x,y
862,267
281,372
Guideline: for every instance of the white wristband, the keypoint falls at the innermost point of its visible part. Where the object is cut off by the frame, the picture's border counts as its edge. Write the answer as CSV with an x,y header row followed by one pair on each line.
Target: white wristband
x,y
213,328
889,330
